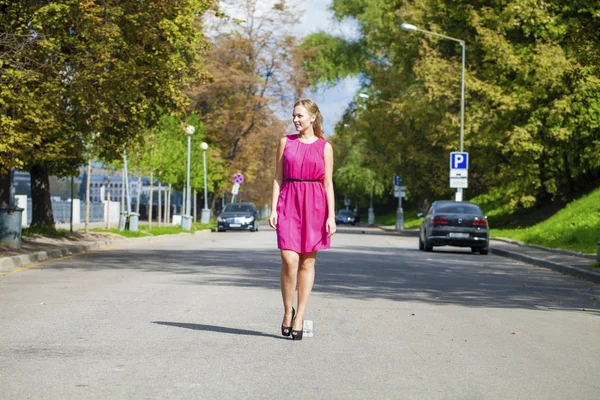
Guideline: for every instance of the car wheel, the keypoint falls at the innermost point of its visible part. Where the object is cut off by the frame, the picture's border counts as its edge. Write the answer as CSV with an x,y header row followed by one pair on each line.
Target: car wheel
x,y
220,230
421,246
427,245
484,251
474,249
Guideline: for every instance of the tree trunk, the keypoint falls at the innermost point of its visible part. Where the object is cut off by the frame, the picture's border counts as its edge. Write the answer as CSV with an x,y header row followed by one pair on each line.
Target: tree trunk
x,y
108,202
139,195
150,202
195,205
41,210
4,189
169,204
159,210
87,196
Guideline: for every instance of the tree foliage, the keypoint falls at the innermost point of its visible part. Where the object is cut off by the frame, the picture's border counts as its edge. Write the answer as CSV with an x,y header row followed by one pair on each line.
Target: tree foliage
x,y
256,74
79,73
533,109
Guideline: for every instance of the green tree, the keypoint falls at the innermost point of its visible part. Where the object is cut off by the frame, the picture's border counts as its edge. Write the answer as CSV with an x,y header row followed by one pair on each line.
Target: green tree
x,y
532,91
84,68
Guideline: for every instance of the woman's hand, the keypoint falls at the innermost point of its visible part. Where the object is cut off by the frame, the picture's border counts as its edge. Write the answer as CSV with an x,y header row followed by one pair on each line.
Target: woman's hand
x,y
273,220
330,227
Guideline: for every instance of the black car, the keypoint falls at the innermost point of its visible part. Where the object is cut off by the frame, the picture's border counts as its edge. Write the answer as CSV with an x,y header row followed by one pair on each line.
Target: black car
x,y
454,223
238,216
345,217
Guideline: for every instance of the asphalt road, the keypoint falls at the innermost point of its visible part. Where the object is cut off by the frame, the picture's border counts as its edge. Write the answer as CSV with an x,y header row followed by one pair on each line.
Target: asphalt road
x,y
198,317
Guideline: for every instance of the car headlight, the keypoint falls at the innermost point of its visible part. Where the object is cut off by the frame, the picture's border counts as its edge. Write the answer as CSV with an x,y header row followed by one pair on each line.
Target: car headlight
x,y
219,219
248,219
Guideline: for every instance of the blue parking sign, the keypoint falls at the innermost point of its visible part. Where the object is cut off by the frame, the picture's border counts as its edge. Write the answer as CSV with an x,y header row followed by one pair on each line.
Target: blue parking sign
x,y
459,160
398,180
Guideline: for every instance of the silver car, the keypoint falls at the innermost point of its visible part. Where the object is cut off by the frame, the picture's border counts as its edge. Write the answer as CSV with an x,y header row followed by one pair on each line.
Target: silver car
x,y
454,223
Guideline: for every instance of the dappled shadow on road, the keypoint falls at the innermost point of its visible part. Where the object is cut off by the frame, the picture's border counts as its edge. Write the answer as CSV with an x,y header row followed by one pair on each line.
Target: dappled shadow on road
x,y
217,329
367,272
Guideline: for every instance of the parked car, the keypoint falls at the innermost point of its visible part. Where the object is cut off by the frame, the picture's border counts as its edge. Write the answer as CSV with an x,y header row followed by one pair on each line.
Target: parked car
x,y
345,217
238,216
454,223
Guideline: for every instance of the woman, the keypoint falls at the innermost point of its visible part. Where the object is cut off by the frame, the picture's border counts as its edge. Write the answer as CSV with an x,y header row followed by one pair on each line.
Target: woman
x,y
303,209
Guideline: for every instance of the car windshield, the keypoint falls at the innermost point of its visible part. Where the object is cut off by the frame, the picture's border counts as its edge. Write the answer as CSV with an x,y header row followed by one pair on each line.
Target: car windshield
x,y
459,209
345,213
237,208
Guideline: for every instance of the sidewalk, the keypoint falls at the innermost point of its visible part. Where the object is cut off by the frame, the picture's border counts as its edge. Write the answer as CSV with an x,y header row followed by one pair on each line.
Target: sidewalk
x,y
563,261
34,250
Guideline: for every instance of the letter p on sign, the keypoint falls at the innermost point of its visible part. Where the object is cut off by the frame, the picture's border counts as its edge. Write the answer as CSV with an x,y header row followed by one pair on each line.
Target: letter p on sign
x,y
459,160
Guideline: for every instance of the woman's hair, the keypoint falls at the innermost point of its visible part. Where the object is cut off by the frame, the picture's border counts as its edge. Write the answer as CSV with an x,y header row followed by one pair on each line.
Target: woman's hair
x,y
313,109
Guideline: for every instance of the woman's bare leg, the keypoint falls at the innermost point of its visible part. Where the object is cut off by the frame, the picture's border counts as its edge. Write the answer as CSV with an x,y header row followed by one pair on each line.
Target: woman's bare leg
x,y
306,279
289,271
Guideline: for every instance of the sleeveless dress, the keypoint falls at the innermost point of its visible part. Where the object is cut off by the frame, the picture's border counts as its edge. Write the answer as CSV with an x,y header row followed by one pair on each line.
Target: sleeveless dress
x,y
302,204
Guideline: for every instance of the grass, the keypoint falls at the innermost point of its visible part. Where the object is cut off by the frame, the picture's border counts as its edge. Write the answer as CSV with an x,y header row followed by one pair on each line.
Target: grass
x,y
144,230
47,232
410,219
575,227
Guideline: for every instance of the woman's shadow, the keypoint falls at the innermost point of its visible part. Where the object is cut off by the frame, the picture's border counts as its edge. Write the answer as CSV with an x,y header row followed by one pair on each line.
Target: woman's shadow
x,y
219,329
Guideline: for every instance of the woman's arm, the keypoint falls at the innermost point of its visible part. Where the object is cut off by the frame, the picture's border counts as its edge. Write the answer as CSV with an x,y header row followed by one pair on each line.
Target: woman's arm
x,y
277,182
330,226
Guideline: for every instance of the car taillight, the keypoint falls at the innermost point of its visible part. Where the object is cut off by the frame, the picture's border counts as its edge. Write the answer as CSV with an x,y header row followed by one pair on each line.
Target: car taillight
x,y
480,222
440,221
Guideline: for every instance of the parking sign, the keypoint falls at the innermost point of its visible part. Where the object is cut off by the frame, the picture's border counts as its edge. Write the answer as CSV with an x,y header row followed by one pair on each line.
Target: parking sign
x,y
459,160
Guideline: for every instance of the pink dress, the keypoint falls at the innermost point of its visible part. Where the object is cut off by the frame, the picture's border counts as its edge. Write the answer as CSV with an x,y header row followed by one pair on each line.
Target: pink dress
x,y
302,204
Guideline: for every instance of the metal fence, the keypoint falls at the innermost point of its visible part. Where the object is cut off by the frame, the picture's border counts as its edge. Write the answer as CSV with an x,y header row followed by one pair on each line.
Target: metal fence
x,y
62,211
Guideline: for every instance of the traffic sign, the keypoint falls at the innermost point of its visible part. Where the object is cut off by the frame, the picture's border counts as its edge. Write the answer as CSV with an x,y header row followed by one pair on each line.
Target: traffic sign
x,y
238,178
236,188
398,180
459,160
399,191
459,183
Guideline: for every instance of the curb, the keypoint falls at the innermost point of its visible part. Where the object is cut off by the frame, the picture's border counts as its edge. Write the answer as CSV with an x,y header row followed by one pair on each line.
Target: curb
x,y
535,246
7,264
583,273
412,232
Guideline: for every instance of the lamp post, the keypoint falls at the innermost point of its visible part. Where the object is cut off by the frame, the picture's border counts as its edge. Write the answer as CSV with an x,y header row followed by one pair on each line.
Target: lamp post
x,y
205,211
186,220
410,27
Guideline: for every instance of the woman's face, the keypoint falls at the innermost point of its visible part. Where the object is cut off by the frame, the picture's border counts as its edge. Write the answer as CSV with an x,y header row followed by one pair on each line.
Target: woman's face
x,y
302,118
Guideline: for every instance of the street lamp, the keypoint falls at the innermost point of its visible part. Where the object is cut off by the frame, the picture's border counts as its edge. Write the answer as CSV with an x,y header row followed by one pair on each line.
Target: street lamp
x,y
205,211
410,27
186,220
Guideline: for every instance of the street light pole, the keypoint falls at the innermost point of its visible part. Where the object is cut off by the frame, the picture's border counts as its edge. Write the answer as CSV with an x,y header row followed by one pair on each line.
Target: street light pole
x,y
186,220
206,211
409,27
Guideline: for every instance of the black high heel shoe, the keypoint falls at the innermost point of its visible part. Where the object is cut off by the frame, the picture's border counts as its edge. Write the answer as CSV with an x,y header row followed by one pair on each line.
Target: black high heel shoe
x,y
297,335
287,330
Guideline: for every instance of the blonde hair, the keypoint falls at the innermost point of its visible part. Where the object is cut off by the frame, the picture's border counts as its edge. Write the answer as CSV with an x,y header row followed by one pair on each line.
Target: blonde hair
x,y
313,109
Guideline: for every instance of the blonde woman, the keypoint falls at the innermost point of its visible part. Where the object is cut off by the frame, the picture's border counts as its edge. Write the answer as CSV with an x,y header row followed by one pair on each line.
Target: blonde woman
x,y
303,209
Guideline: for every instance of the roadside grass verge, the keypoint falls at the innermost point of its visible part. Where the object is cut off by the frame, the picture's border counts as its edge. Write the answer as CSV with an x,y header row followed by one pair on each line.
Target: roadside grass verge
x,y
410,219
47,232
575,227
144,230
